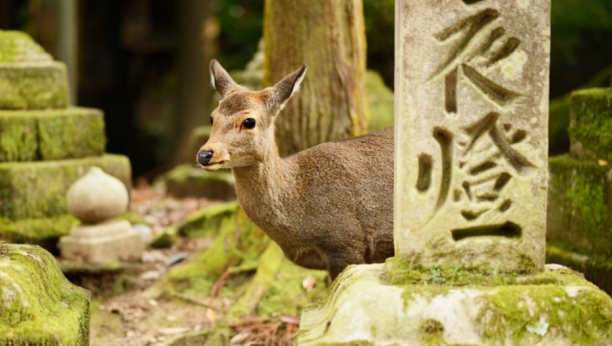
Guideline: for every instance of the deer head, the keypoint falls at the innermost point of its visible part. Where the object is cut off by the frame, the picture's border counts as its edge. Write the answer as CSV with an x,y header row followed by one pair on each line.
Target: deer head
x,y
243,123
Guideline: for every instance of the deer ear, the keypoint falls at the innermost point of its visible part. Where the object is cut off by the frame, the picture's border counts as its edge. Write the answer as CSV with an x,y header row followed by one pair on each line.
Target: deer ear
x,y
220,79
284,89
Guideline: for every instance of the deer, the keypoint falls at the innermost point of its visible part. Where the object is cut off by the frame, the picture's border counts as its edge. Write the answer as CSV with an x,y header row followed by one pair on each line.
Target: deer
x,y
328,206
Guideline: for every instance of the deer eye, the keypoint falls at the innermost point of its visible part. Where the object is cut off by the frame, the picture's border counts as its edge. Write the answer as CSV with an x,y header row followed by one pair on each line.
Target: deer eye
x,y
249,123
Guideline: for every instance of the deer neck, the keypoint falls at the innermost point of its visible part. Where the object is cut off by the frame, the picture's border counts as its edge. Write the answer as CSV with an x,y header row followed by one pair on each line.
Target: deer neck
x,y
264,185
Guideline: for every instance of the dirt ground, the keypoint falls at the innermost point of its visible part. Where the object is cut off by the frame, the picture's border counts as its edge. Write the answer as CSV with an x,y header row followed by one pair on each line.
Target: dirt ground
x,y
134,318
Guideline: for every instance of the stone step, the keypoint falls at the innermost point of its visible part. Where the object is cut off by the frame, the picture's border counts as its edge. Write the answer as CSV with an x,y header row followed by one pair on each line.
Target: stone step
x,y
54,134
591,124
38,189
580,205
39,305
29,78
33,85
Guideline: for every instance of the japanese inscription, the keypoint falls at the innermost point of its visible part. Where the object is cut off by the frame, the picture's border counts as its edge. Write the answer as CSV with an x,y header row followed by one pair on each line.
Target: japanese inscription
x,y
471,132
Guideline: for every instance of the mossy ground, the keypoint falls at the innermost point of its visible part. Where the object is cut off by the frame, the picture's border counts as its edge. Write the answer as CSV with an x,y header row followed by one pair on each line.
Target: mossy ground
x,y
39,306
591,123
38,189
51,134
579,205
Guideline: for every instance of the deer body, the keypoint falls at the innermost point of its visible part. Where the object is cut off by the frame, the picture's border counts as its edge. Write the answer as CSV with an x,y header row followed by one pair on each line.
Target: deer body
x,y
328,206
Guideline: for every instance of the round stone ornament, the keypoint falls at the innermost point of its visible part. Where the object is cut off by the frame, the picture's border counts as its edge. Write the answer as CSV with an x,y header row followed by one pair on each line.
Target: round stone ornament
x,y
97,197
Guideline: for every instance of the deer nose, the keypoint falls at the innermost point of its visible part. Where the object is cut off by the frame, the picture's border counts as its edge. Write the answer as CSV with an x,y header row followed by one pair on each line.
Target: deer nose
x,y
204,157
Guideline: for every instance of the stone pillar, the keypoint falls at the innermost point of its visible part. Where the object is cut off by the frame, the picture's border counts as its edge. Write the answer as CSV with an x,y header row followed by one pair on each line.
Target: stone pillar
x,y
471,102
472,133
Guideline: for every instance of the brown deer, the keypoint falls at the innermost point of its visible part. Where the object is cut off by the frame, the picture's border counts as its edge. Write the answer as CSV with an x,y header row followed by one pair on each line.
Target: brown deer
x,y
328,206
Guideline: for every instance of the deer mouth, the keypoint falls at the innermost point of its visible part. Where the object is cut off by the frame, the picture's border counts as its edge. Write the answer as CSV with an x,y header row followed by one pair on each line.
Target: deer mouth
x,y
213,166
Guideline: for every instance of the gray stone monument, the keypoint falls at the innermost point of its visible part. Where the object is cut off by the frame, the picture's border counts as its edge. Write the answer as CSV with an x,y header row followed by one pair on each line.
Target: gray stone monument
x,y
471,110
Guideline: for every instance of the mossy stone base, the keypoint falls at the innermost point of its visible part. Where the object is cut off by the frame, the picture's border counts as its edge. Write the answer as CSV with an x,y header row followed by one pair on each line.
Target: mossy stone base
x,y
17,46
596,269
42,232
38,306
56,134
33,85
208,221
556,307
580,205
38,189
591,124
189,181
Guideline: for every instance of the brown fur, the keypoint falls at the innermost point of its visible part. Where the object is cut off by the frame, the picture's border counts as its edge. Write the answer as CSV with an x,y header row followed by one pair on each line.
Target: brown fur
x,y
328,206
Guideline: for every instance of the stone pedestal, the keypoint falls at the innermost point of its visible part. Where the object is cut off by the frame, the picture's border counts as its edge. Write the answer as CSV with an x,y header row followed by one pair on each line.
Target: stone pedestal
x,y
374,305
45,143
111,241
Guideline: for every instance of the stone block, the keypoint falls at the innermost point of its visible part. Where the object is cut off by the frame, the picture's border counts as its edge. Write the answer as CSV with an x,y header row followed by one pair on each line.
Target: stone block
x,y
471,123
189,181
579,216
51,134
591,124
38,189
42,232
33,85
437,307
110,241
38,306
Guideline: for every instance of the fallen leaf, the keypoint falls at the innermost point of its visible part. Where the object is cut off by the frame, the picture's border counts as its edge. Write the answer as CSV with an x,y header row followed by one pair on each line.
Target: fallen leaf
x,y
211,315
602,162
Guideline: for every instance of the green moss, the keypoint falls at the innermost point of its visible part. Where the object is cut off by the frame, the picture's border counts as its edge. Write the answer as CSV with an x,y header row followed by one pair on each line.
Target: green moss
x,y
579,204
596,269
134,217
39,306
17,46
51,134
287,295
43,232
380,100
38,189
166,239
591,123
33,86
208,221
431,332
238,241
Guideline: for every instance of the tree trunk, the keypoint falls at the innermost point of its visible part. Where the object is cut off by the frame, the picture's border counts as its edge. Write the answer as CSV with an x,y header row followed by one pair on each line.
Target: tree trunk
x,y
329,37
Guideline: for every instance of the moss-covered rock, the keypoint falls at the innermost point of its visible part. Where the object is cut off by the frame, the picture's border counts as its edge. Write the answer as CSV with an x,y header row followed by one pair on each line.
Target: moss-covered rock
x,y
556,307
33,85
38,306
591,124
43,232
189,181
597,269
38,189
209,221
579,215
17,46
51,134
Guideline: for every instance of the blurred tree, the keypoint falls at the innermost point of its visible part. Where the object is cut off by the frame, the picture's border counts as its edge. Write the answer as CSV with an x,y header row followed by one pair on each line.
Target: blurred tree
x,y
328,36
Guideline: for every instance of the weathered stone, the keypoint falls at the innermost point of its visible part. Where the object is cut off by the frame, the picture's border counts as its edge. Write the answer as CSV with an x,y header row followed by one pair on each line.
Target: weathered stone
x,y
17,46
434,307
471,141
33,85
580,206
97,197
51,134
38,306
596,269
591,124
109,241
187,180
38,189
